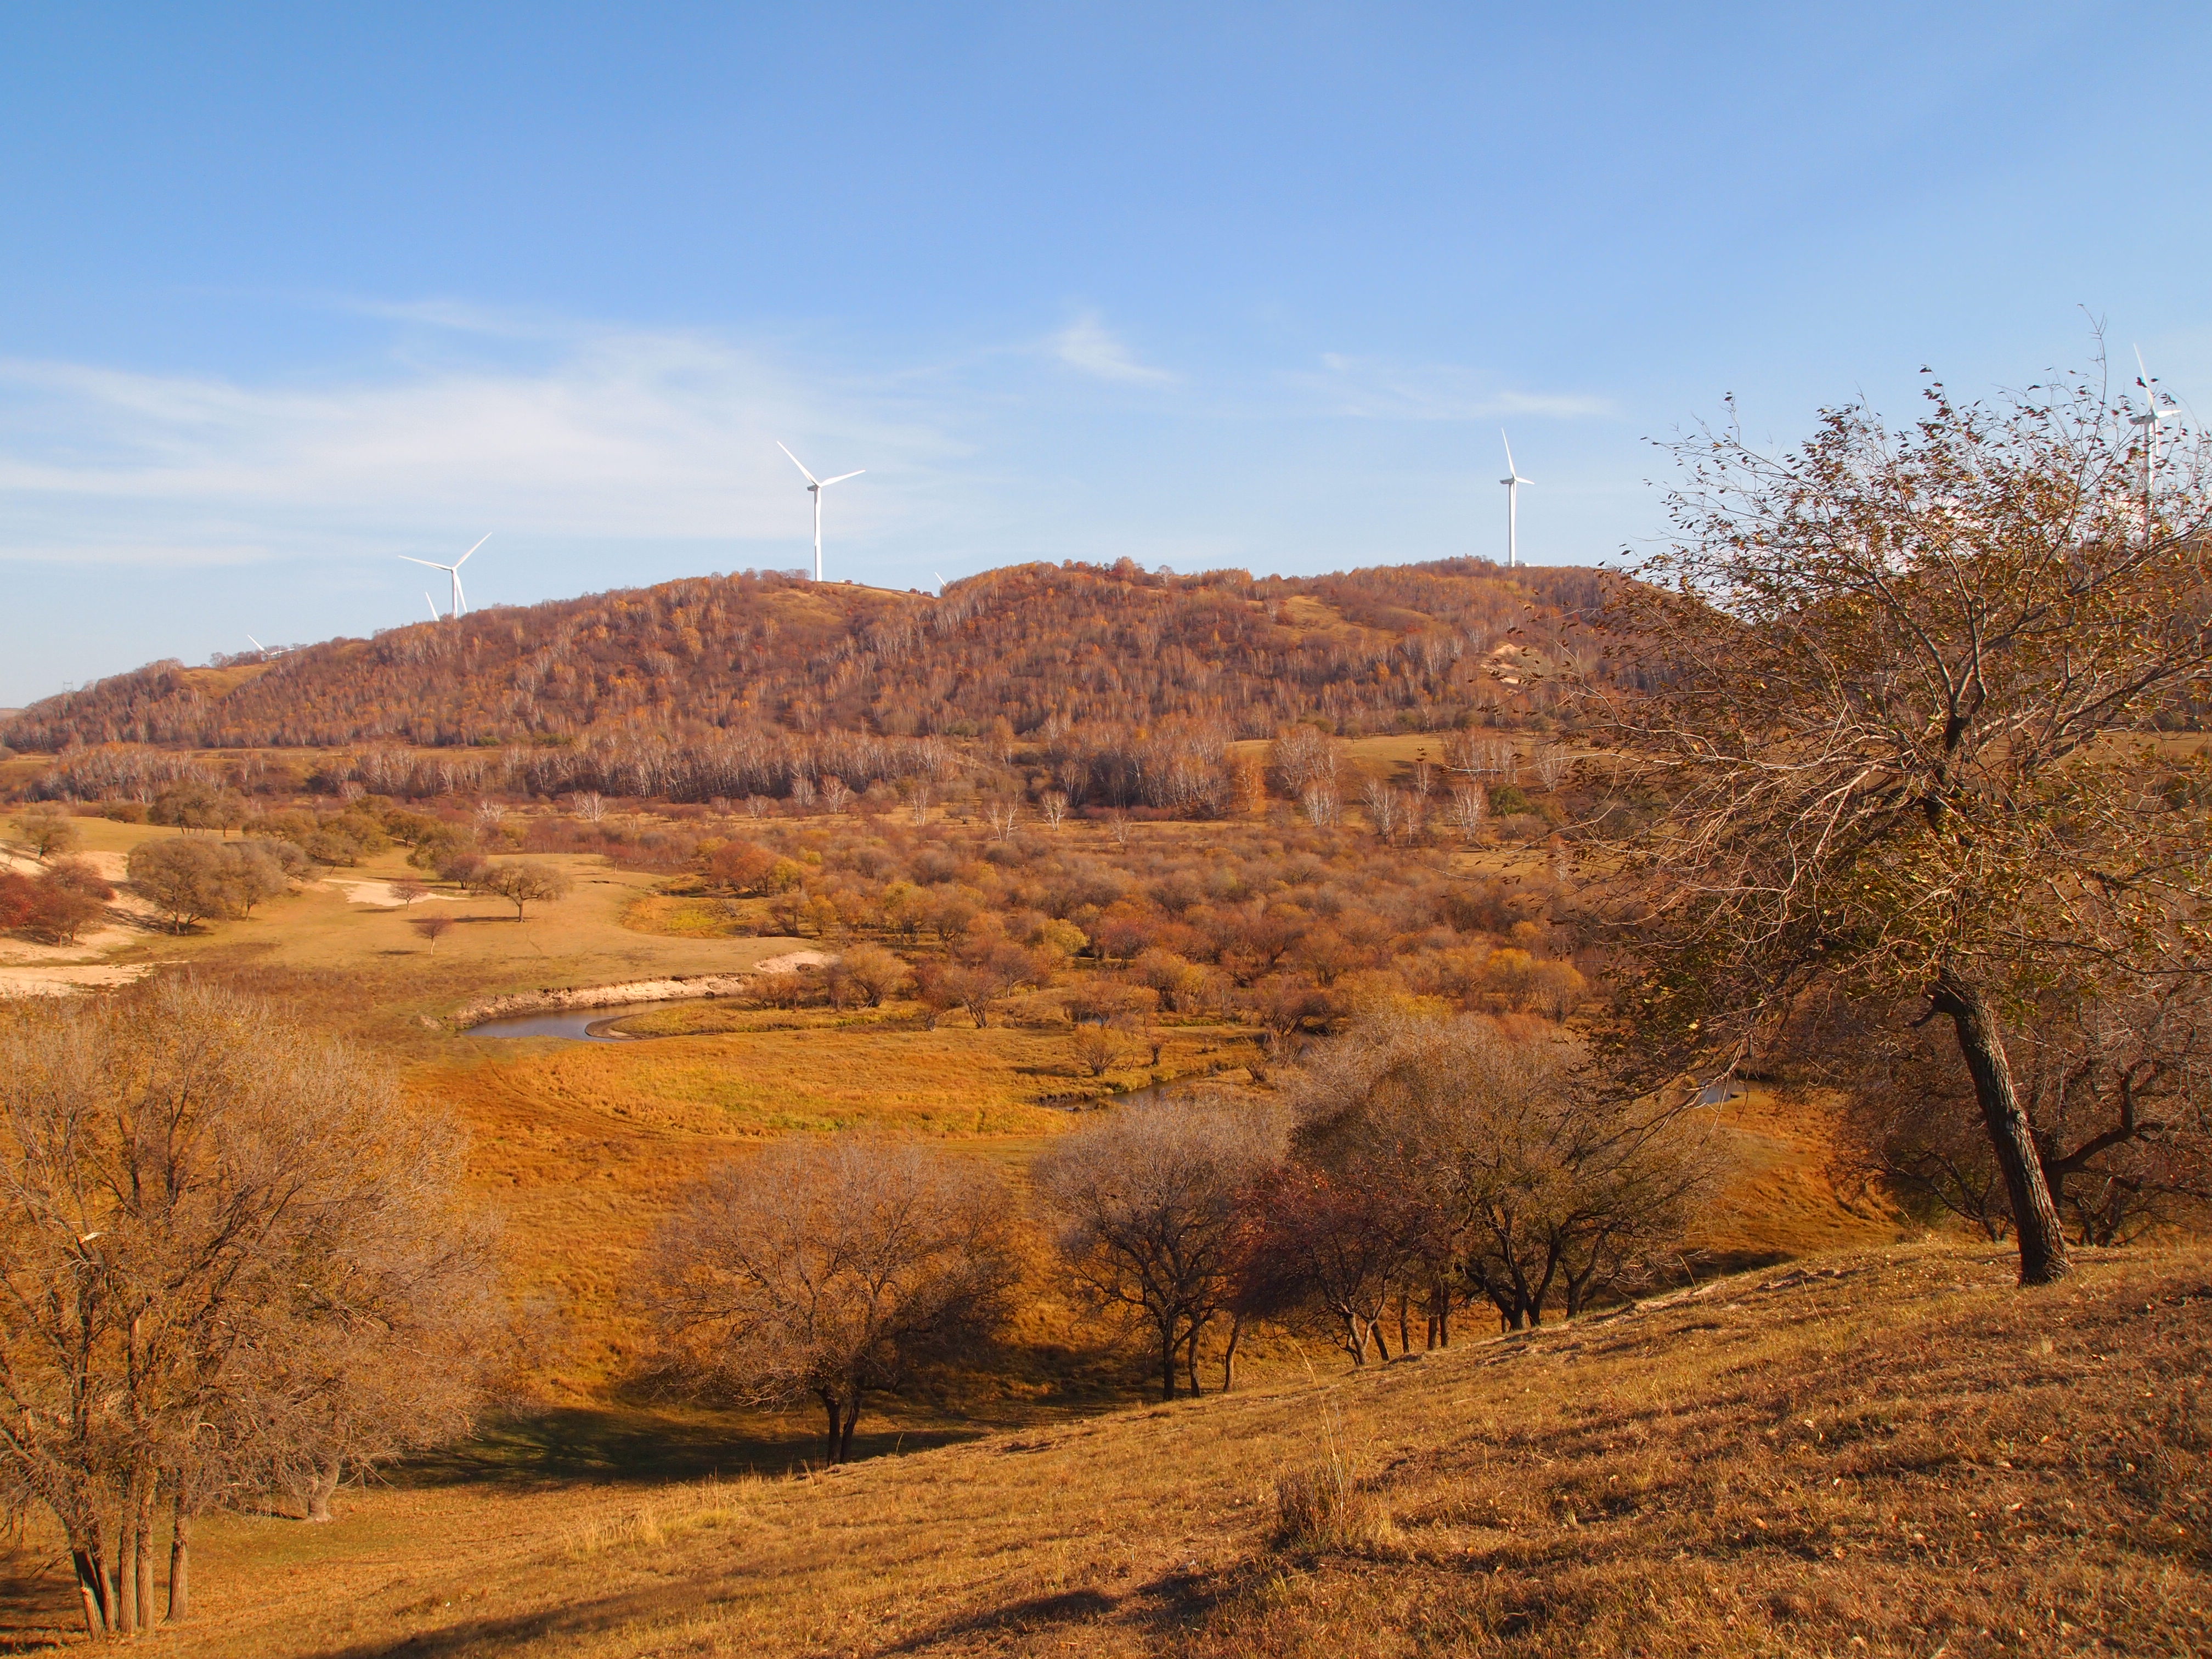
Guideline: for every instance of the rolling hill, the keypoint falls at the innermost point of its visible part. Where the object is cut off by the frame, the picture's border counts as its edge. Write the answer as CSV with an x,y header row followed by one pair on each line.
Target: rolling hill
x,y
1039,648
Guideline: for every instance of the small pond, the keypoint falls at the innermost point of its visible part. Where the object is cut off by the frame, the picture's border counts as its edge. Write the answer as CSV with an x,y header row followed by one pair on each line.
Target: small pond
x,y
578,1024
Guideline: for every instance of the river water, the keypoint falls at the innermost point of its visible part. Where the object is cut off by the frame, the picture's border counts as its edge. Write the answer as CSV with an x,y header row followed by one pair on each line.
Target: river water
x,y
574,1024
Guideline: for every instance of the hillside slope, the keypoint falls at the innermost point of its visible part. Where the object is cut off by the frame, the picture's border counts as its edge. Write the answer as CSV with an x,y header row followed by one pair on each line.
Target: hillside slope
x,y
1883,1452
1031,644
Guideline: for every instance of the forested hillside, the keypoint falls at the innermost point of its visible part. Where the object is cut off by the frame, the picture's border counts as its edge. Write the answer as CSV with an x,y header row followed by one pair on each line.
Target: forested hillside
x,y
1035,645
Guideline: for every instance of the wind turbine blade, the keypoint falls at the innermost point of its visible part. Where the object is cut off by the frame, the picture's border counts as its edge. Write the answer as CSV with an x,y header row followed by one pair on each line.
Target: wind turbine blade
x,y
411,559
257,646
463,559
432,604
460,599
840,478
1507,442
801,465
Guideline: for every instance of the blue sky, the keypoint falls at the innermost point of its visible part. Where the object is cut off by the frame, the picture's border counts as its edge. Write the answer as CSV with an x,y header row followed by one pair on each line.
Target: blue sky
x,y
287,291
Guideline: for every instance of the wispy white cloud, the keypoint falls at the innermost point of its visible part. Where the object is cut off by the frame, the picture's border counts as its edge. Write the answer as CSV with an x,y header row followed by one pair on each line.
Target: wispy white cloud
x,y
614,434
1089,345
1377,388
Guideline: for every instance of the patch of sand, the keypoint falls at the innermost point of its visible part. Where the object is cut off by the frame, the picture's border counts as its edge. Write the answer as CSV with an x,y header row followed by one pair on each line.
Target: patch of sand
x,y
62,981
379,895
129,918
671,989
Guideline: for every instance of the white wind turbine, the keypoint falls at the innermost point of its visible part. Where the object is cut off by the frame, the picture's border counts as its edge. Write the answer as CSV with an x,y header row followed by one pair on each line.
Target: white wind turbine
x,y
1512,480
268,650
2148,421
453,570
815,487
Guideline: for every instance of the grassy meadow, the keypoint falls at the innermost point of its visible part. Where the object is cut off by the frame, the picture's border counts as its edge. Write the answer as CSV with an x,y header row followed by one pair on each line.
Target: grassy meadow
x,y
1770,1463
1885,1452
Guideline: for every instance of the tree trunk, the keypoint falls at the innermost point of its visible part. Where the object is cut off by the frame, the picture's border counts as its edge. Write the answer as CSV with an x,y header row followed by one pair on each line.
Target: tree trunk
x,y
1229,1353
125,1594
2043,1257
323,1487
845,1434
92,1589
141,1539
1190,1361
1167,1363
180,1564
1405,1329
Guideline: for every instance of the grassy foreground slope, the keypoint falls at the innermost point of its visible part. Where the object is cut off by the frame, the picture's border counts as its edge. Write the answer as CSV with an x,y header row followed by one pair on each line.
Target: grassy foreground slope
x,y
1885,1452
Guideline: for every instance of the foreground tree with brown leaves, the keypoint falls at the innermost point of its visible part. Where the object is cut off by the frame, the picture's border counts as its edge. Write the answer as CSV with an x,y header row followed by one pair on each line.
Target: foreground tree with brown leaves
x,y
217,1233
1890,732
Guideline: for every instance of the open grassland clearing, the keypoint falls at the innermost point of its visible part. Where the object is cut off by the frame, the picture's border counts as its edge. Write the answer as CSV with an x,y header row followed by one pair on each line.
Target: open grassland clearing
x,y
1887,1452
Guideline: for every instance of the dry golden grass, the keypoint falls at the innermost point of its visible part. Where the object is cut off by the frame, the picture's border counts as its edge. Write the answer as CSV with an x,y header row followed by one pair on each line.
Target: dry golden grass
x,y
582,1148
1881,1452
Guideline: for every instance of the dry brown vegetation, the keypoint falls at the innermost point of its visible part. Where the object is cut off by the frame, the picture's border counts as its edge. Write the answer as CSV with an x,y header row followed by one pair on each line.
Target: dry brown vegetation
x,y
1892,1452
1065,833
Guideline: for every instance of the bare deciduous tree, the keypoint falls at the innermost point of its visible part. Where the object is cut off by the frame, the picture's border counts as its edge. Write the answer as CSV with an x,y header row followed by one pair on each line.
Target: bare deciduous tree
x,y
1469,809
827,1269
1097,1049
520,884
1488,1161
1889,684
199,1205
47,830
1152,1203
874,973
1382,802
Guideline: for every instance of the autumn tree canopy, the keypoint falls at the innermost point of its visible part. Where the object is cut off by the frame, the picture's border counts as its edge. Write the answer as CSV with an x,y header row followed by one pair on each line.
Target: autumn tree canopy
x,y
1896,732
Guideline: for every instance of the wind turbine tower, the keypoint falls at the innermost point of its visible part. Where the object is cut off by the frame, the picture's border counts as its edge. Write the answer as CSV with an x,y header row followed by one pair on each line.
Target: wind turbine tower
x,y
1512,480
815,487
460,604
2148,421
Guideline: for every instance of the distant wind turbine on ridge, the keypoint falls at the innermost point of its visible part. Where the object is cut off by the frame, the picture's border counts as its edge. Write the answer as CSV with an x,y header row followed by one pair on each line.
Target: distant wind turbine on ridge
x,y
460,604
1512,480
815,487
2148,421
268,650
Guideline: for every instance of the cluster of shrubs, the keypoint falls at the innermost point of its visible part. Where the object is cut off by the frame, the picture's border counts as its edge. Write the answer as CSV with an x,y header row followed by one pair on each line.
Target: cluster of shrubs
x,y
1295,927
55,905
191,879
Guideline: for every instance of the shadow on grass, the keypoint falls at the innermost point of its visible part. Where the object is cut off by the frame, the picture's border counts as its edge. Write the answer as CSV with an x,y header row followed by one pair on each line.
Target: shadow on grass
x,y
38,1602
621,1444
1165,1605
